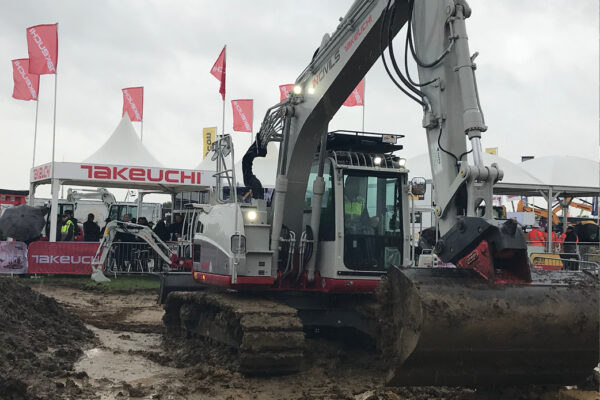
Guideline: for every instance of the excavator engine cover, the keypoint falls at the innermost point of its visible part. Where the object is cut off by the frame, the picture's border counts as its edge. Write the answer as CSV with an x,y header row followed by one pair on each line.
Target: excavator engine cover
x,y
449,326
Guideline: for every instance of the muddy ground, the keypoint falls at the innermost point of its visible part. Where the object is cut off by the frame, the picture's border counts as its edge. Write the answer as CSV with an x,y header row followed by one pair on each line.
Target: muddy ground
x,y
130,358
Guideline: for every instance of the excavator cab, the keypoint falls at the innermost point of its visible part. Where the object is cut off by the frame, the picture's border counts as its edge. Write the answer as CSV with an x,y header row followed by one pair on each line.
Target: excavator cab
x,y
373,229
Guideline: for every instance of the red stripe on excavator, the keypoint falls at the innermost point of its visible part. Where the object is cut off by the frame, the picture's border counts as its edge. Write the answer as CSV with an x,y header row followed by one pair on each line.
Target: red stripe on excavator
x,y
347,285
225,280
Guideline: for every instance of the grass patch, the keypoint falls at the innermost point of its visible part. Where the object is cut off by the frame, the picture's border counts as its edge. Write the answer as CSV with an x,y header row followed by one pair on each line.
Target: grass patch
x,y
118,284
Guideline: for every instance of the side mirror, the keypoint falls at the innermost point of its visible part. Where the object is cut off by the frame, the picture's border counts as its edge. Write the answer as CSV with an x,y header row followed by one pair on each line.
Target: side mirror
x,y
418,186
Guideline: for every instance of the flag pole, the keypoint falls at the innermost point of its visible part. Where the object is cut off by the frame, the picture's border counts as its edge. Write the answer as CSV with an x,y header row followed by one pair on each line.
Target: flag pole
x,y
223,122
364,103
225,91
142,120
54,122
37,104
54,188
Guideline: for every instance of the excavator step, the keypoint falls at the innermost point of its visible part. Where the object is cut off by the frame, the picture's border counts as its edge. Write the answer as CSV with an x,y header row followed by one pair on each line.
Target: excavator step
x,y
267,335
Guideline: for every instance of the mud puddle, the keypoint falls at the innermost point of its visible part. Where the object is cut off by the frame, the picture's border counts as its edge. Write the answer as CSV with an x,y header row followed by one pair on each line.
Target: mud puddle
x,y
119,368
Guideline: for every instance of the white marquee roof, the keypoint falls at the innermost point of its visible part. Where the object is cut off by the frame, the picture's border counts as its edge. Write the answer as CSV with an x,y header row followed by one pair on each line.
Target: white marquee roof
x,y
515,177
124,147
565,172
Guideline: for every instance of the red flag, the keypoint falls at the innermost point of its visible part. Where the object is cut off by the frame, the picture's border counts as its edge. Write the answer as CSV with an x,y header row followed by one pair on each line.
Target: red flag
x,y
26,85
242,115
357,96
284,91
133,103
218,71
42,43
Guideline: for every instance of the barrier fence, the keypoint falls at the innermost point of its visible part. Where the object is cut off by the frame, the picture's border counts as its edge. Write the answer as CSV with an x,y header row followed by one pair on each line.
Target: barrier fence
x,y
132,258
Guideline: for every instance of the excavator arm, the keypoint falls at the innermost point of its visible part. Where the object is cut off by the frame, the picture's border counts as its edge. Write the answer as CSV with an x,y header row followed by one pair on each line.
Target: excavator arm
x,y
446,93
140,231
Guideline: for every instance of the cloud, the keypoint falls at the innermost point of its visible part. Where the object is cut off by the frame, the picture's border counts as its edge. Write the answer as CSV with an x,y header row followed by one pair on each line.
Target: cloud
x,y
537,74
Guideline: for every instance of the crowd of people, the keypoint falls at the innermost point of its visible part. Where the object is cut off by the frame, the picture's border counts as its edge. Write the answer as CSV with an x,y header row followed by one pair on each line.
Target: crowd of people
x,y
68,228
564,241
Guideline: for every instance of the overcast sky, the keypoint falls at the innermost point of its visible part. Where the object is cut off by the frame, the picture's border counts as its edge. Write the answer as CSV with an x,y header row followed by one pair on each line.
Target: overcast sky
x,y
537,74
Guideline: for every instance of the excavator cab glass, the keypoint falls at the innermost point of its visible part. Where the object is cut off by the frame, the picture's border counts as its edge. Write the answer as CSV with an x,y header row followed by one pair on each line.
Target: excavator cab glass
x,y
372,226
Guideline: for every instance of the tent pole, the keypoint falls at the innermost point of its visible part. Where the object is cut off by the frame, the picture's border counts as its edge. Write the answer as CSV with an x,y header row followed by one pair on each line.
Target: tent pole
x,y
549,227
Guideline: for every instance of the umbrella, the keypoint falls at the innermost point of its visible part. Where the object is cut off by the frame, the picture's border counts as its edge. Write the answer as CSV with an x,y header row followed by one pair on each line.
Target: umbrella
x,y
22,222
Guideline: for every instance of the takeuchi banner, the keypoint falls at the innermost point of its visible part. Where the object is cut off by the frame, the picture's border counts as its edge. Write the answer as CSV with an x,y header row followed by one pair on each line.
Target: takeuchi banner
x,y
42,44
120,175
357,97
284,91
61,257
133,103
242,115
219,71
26,85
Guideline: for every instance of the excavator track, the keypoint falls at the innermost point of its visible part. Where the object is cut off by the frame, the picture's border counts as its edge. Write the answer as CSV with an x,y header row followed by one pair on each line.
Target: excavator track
x,y
267,335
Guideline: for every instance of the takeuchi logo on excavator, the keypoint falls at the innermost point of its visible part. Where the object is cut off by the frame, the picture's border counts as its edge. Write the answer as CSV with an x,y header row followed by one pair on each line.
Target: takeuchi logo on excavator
x,y
336,57
325,70
363,27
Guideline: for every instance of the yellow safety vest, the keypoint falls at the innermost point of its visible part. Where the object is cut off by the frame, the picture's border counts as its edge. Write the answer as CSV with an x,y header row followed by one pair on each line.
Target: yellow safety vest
x,y
353,208
66,226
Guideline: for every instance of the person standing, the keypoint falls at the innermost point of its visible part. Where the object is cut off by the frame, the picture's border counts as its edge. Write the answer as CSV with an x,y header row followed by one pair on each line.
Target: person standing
x,y
67,229
535,237
570,248
91,230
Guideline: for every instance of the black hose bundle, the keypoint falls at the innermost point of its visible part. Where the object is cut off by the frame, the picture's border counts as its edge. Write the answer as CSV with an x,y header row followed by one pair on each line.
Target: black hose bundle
x,y
250,180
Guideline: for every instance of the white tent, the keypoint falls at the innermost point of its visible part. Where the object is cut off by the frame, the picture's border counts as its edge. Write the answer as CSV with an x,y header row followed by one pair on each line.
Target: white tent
x,y
122,162
566,173
124,147
515,178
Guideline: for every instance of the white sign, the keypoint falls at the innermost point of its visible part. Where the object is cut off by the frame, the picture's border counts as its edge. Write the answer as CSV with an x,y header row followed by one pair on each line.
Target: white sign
x,y
120,174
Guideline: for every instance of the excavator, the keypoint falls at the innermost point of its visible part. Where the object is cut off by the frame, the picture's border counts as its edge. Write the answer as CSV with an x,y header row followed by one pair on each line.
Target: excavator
x,y
330,249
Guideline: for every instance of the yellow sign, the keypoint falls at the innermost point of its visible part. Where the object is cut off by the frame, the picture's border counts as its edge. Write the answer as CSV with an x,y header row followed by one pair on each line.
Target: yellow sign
x,y
492,150
208,137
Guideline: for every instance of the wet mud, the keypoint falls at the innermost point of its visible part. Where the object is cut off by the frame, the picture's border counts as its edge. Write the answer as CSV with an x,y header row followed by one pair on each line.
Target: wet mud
x,y
127,355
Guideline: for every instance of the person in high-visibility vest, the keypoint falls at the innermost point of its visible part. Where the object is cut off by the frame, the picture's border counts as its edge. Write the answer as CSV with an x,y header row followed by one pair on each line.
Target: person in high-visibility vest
x,y
67,229
536,237
356,216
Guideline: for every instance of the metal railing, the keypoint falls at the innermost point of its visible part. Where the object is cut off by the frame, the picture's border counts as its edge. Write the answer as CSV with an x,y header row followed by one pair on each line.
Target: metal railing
x,y
133,258
567,264
586,251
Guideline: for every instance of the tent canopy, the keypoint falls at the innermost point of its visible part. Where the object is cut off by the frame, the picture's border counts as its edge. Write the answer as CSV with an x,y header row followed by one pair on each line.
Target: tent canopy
x,y
124,147
566,174
516,179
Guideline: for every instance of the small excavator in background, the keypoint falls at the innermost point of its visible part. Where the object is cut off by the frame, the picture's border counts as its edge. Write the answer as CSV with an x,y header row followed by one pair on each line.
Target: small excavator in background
x,y
336,231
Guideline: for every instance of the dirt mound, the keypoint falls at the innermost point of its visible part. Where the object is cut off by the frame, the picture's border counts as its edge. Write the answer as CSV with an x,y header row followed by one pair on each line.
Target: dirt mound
x,y
39,342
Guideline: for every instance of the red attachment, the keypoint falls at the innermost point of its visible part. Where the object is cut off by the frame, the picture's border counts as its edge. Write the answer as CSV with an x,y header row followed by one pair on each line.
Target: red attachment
x,y
183,263
509,266
479,260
